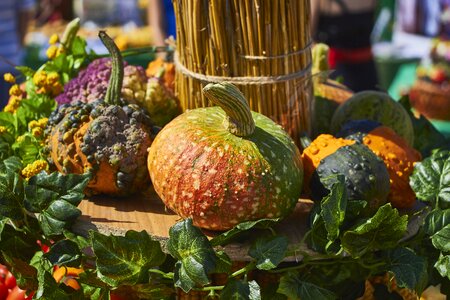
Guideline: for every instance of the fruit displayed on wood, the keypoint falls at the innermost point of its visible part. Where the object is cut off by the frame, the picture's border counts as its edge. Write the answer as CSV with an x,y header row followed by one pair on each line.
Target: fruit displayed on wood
x,y
366,176
91,83
107,137
328,94
397,155
375,106
224,165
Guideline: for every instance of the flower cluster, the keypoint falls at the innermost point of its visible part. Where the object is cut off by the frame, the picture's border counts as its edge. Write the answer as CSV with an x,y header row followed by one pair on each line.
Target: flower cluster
x,y
34,168
15,93
54,50
37,127
47,83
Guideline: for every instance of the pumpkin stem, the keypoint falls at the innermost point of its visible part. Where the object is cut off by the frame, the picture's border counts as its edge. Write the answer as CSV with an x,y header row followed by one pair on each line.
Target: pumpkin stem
x,y
305,140
70,33
115,81
320,61
226,95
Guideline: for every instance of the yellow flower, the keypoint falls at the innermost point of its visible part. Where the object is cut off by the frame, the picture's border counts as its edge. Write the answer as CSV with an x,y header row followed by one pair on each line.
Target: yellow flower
x,y
3,129
37,131
42,122
52,51
9,78
20,138
53,39
33,124
60,51
13,104
56,89
15,90
52,77
34,168
39,78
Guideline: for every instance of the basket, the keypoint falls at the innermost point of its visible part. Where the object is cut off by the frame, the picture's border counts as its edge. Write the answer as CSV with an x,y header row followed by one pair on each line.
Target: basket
x,y
263,47
431,100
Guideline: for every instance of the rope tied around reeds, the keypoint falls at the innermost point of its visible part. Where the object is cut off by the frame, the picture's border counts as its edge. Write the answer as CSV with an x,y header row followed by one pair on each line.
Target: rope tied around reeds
x,y
243,80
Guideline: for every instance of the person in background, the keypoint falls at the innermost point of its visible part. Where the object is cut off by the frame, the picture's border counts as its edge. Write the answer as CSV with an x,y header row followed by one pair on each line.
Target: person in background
x,y
346,26
161,18
14,18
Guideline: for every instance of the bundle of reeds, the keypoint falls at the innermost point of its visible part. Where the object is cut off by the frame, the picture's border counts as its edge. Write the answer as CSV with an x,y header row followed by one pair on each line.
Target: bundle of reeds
x,y
262,46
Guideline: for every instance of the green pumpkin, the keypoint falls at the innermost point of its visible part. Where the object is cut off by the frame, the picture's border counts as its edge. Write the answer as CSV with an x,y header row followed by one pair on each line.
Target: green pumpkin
x,y
366,176
225,165
375,106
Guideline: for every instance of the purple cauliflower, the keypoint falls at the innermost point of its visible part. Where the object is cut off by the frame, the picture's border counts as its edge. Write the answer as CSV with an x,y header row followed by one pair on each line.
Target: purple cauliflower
x,y
92,82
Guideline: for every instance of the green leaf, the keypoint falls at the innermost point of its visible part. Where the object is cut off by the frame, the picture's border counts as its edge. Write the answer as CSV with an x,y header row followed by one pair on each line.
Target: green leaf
x,y
333,207
49,289
26,275
223,263
443,266
11,164
78,47
125,260
441,239
227,236
426,136
354,209
11,196
240,290
194,252
55,197
436,220
269,251
28,148
26,71
382,231
293,287
431,179
64,252
408,268
317,236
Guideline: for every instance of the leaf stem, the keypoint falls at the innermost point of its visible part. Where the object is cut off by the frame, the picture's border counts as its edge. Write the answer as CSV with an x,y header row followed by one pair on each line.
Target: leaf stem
x,y
209,288
163,274
245,269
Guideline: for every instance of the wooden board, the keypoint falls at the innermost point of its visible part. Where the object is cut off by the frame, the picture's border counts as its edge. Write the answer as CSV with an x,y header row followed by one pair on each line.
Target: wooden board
x,y
147,212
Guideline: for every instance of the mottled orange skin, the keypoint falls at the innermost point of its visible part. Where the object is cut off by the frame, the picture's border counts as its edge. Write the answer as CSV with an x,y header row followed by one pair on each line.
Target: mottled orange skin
x,y
158,66
399,159
103,180
205,173
323,146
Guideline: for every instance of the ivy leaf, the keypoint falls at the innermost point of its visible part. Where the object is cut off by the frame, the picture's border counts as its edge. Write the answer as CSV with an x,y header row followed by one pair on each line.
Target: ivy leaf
x,y
27,148
293,287
408,268
11,164
317,236
240,290
194,252
431,179
240,228
55,197
382,231
223,263
441,239
26,275
436,220
269,251
443,265
354,209
64,252
426,136
333,207
125,260
11,196
48,288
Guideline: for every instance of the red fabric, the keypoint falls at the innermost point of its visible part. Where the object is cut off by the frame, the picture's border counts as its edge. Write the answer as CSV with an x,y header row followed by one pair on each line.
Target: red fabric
x,y
349,56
